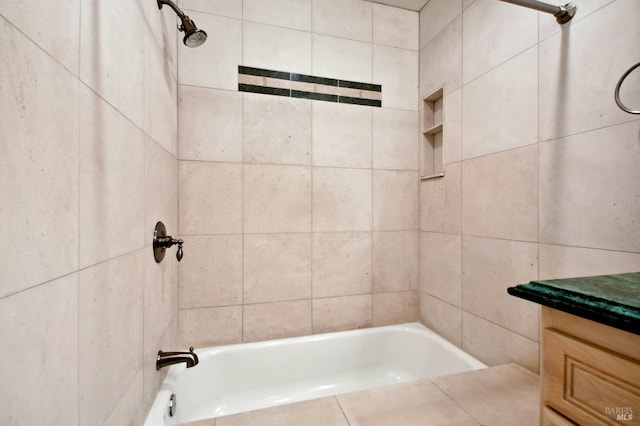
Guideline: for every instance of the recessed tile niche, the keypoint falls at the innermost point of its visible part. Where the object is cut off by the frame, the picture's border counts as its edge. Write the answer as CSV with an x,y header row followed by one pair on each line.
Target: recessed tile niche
x,y
432,165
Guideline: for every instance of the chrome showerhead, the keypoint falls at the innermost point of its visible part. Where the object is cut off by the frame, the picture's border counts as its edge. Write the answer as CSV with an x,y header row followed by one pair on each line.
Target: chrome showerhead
x,y
193,37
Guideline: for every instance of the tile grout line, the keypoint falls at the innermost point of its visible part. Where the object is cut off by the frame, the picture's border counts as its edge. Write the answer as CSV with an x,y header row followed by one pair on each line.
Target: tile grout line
x,y
462,85
242,183
452,399
335,397
312,223
266,164
311,325
78,361
538,184
372,233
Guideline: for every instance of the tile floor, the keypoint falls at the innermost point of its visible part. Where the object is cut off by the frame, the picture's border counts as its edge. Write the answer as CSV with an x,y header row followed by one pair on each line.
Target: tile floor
x,y
502,395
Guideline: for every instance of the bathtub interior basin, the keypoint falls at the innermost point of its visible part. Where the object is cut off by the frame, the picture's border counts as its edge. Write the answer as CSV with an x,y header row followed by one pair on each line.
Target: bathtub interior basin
x,y
237,378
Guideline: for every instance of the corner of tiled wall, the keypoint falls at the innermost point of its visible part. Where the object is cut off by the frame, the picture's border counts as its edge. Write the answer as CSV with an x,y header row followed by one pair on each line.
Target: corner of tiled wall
x,y
528,192
89,165
304,213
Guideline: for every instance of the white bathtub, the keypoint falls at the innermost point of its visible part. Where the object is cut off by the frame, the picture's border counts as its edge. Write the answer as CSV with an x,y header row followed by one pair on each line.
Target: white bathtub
x,y
237,378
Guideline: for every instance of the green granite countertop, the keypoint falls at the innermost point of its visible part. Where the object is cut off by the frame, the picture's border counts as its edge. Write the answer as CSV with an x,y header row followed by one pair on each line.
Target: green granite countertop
x,y
613,300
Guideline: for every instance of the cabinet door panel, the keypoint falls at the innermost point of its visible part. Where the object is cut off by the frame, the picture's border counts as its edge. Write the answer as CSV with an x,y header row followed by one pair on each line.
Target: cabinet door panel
x,y
588,383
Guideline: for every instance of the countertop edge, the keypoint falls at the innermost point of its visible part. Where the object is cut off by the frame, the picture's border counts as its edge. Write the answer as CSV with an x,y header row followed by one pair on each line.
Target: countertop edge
x,y
592,308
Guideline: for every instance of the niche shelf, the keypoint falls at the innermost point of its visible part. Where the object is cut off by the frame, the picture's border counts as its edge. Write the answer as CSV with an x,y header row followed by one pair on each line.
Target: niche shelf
x,y
432,165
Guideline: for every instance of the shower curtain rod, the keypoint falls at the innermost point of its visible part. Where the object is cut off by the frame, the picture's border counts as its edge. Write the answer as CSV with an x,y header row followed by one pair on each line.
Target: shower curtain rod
x,y
563,14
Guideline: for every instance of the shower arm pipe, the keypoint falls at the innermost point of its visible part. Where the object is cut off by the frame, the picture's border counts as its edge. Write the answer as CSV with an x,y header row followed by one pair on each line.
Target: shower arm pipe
x,y
173,6
563,14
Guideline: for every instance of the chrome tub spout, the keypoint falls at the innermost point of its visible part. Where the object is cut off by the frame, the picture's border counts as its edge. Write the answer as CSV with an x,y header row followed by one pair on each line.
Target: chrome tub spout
x,y
169,358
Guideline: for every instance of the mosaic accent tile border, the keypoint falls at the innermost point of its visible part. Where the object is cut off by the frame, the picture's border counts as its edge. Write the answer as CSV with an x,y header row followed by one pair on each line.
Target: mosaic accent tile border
x,y
279,83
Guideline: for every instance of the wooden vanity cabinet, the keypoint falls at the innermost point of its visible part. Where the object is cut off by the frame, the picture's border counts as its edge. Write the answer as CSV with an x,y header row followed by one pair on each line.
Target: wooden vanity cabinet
x,y
590,372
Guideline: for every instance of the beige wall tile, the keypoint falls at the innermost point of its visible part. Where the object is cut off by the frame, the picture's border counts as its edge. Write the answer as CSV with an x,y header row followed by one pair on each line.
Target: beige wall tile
x,y
204,327
112,171
441,317
395,308
440,201
493,33
342,58
404,404
277,267
224,43
567,262
160,297
395,256
452,132
342,313
111,107
503,95
584,101
210,198
294,14
38,164
507,207
341,200
127,409
162,26
160,311
440,266
44,383
210,123
395,27
276,129
160,94
395,139
277,199
395,200
160,177
466,3
265,321
495,345
499,195
436,16
396,70
107,25
230,8
110,316
601,212
211,271
342,264
317,412
488,268
57,31
352,19
276,48
341,135
441,61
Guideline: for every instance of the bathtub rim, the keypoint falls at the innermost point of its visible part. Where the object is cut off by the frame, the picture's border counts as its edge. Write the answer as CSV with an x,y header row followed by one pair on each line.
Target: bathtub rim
x,y
156,417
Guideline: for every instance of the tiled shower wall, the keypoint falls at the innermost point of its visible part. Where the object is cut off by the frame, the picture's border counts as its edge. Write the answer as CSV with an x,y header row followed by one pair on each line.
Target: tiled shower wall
x,y
88,164
298,216
541,167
